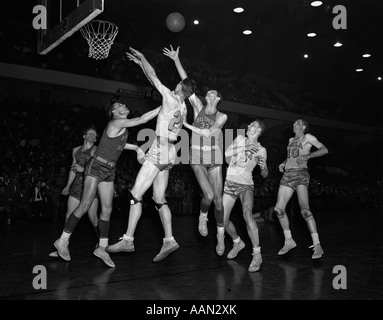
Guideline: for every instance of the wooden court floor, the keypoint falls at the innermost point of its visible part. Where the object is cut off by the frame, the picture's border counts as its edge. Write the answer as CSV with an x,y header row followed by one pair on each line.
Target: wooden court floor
x,y
351,268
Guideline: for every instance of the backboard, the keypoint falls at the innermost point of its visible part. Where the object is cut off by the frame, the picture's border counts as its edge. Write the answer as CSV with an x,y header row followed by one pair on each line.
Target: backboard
x,y
64,18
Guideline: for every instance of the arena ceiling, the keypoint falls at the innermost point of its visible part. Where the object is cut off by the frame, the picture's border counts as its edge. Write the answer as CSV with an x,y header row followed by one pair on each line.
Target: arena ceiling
x,y
277,45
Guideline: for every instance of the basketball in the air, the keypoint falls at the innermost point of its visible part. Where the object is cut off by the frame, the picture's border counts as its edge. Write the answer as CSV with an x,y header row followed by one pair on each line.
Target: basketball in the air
x,y
175,22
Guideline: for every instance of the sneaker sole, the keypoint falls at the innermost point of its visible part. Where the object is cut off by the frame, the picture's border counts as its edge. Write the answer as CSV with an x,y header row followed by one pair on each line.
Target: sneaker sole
x,y
105,261
202,233
54,254
61,256
283,253
107,249
240,248
317,257
165,254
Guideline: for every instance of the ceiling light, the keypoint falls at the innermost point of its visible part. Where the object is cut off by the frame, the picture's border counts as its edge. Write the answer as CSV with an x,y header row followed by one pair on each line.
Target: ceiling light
x,y
305,56
316,3
338,44
311,34
379,78
238,10
366,55
247,32
196,22
359,70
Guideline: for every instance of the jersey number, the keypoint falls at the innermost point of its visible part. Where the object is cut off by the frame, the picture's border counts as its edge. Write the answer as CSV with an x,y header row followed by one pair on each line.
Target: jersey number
x,y
174,123
293,152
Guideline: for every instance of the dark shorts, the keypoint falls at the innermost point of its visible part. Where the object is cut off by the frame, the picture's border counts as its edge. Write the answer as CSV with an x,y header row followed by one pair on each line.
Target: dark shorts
x,y
206,157
76,188
295,177
234,189
162,154
101,171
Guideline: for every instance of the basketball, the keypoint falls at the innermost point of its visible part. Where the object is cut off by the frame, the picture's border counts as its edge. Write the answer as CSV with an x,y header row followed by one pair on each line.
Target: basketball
x,y
175,22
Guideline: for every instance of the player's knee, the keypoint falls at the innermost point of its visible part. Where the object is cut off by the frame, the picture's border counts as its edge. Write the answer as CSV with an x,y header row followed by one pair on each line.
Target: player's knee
x,y
306,213
279,212
158,205
107,210
133,200
209,196
218,203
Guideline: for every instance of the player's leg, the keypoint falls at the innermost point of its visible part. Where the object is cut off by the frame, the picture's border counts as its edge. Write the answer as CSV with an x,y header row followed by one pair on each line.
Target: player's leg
x,y
303,199
106,193
215,178
89,192
72,204
160,185
144,180
247,199
284,195
93,216
228,205
208,196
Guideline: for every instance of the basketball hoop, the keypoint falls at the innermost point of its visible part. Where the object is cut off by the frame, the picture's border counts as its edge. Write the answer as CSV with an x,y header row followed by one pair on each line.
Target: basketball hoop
x,y
100,36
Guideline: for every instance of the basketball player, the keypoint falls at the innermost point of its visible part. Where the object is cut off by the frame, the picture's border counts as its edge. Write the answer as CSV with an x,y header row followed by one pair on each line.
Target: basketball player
x,y
75,183
100,174
205,153
296,178
158,161
245,153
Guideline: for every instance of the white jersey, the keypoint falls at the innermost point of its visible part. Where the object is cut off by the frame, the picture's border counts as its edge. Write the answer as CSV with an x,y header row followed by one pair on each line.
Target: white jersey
x,y
298,147
169,122
242,164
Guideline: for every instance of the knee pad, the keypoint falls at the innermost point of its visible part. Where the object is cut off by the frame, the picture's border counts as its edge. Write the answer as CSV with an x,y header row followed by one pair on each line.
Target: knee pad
x,y
133,201
280,212
158,206
306,214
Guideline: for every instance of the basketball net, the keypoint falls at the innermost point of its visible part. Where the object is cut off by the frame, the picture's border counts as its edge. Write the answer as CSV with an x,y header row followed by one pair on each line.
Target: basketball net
x,y
100,36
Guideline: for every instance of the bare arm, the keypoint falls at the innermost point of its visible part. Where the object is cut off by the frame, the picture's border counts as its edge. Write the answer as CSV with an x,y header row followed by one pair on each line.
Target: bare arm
x,y
138,58
129,146
139,120
72,174
321,149
174,55
262,162
220,122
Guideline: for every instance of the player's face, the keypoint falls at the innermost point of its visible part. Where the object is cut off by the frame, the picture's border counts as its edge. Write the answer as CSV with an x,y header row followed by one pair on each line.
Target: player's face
x,y
252,128
211,95
121,109
298,126
91,136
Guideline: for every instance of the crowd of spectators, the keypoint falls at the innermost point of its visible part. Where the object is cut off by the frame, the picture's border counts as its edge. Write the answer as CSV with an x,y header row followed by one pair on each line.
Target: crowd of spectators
x,y
37,141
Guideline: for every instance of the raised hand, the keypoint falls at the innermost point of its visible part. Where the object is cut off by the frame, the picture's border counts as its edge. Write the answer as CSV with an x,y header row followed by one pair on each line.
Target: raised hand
x,y
171,53
133,58
136,53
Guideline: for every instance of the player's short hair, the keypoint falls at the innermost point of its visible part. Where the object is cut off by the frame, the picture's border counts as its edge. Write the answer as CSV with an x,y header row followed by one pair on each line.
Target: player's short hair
x,y
93,128
188,87
305,123
110,105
